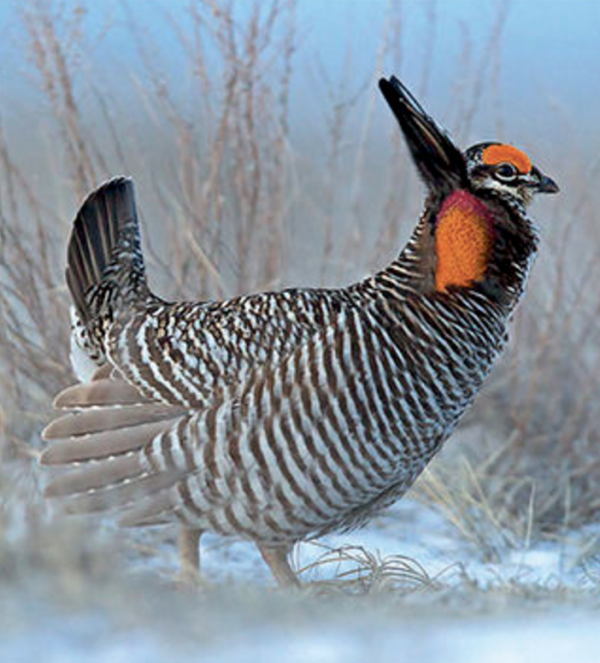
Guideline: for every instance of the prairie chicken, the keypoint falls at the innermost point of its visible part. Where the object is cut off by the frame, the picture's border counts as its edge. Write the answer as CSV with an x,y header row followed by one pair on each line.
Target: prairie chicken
x,y
281,416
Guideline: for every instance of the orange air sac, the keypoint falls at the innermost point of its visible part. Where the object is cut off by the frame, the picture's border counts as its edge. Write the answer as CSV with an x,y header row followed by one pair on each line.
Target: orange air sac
x,y
463,240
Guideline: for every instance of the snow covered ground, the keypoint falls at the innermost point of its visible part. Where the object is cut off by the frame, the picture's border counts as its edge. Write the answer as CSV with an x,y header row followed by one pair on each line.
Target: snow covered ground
x,y
554,640
429,597
410,533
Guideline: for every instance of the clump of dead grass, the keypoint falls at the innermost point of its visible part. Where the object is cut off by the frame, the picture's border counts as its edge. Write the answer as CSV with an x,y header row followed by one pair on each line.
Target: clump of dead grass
x,y
360,571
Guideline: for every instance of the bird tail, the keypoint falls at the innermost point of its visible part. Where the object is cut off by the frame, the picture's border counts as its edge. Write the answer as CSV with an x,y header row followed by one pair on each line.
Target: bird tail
x,y
105,266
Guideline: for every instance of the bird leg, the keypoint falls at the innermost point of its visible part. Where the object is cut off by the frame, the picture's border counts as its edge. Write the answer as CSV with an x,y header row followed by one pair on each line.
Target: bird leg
x,y
277,561
188,544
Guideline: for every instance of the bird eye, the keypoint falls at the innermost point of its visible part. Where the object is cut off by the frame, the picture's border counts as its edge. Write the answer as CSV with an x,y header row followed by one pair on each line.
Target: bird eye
x,y
505,172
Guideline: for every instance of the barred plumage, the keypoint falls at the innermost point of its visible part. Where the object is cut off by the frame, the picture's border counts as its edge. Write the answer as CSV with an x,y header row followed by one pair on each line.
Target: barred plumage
x,y
282,416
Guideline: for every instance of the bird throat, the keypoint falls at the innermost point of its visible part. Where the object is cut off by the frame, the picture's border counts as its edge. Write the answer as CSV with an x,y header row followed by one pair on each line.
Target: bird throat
x,y
463,240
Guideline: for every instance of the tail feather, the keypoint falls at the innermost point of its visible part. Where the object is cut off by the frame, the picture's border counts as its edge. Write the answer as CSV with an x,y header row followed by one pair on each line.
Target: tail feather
x,y
102,450
104,258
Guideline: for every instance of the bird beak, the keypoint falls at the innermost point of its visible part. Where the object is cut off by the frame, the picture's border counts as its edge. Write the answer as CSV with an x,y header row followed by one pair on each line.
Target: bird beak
x,y
440,163
547,185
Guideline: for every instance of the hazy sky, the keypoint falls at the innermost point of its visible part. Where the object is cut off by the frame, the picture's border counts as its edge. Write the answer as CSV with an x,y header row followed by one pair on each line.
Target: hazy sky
x,y
547,43
549,60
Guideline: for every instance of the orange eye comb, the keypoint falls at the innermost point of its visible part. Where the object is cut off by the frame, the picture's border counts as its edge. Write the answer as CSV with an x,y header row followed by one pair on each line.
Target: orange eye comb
x,y
507,154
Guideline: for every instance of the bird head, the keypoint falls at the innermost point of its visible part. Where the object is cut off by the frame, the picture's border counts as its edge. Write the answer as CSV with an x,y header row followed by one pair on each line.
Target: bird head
x,y
507,171
495,168
476,204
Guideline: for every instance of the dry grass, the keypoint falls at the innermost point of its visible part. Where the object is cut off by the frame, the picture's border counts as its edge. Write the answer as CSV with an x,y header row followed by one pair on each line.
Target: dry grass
x,y
234,201
359,571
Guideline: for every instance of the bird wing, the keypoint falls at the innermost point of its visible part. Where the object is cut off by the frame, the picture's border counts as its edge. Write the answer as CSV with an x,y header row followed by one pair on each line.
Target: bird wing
x,y
187,354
